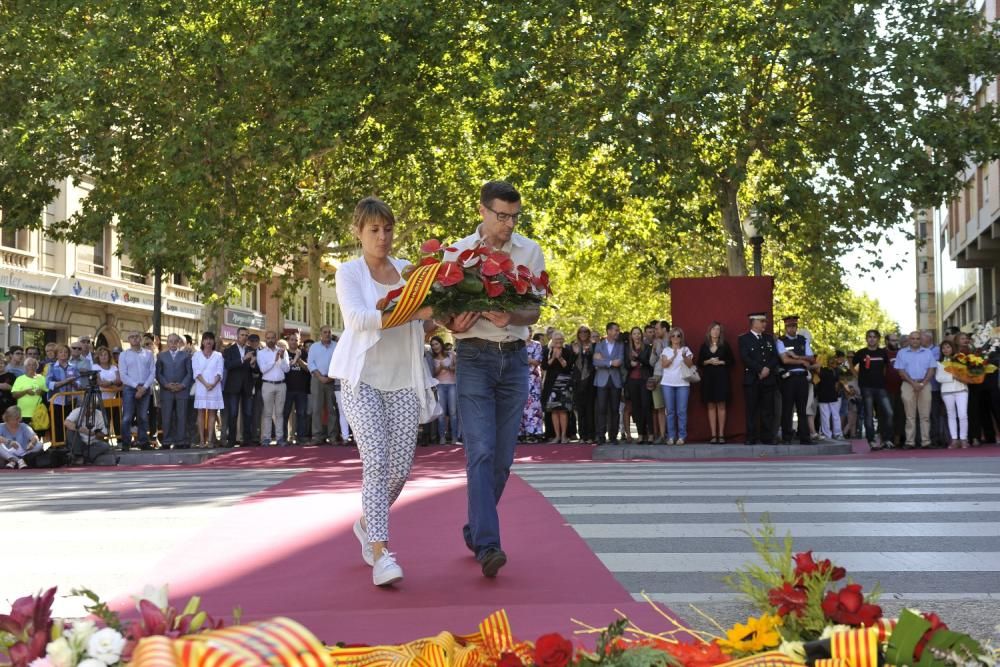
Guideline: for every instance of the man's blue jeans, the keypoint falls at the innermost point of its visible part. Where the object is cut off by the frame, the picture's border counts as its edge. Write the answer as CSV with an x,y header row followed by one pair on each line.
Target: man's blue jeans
x,y
138,408
675,399
492,390
880,398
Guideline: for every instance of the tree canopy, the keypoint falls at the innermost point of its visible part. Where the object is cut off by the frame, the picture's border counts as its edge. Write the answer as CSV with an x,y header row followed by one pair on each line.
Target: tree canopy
x,y
230,139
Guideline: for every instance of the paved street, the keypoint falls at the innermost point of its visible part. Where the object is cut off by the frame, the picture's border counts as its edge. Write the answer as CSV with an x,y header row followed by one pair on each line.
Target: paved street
x,y
927,529
103,528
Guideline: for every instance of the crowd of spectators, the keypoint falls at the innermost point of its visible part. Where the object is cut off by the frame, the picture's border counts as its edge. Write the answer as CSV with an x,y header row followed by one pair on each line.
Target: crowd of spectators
x,y
607,387
171,396
602,386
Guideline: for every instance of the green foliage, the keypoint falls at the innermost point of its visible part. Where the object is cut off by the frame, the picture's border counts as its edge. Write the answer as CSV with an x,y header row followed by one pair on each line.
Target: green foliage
x,y
230,140
776,568
97,607
611,654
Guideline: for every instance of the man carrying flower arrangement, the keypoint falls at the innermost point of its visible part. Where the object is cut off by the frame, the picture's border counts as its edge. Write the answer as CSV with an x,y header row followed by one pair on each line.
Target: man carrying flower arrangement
x,y
492,374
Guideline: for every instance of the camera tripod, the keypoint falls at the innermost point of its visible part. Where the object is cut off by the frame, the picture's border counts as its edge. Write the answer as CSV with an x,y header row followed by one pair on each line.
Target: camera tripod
x,y
93,400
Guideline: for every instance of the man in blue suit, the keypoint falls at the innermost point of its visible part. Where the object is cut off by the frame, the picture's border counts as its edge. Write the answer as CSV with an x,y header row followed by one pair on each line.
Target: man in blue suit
x,y
173,372
609,359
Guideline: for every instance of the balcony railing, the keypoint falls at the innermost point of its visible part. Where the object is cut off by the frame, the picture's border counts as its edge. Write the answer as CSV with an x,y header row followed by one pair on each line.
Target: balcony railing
x,y
14,258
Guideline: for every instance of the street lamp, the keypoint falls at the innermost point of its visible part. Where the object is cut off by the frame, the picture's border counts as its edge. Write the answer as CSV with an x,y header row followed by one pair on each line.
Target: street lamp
x,y
751,232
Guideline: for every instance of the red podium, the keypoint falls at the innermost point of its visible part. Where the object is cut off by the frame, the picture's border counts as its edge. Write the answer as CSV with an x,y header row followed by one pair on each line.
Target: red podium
x,y
695,303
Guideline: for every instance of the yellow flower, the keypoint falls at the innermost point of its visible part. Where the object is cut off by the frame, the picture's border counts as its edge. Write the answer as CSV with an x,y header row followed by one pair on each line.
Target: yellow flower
x,y
754,636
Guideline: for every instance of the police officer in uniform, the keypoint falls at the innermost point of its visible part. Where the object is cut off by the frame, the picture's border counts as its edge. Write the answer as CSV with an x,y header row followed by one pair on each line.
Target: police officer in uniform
x,y
797,360
760,377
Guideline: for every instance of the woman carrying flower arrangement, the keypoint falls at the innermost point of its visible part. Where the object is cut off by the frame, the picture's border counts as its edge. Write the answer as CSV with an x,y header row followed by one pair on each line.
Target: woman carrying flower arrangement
x,y
955,394
384,380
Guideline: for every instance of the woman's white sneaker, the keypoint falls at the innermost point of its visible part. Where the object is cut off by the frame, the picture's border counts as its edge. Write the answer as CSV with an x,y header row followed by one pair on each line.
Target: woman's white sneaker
x,y
366,547
386,571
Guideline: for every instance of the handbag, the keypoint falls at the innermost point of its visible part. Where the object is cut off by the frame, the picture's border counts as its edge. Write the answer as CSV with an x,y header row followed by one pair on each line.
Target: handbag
x,y
690,373
40,418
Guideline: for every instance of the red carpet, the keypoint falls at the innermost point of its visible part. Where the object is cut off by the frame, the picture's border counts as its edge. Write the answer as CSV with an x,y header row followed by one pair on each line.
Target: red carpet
x,y
290,550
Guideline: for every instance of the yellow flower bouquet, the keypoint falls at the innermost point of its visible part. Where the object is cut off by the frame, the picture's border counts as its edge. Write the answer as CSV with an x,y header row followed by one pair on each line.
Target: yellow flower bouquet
x,y
969,368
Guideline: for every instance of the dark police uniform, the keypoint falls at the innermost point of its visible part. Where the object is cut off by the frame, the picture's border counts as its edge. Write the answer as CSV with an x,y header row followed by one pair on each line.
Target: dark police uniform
x,y
795,390
758,352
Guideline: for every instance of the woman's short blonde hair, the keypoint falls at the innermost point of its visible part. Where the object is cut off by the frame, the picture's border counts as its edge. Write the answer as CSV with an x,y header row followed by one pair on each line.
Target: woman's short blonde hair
x,y
12,411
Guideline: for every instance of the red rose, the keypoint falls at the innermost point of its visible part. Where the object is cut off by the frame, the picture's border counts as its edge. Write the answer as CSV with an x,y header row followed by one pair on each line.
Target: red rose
x,y
553,650
804,563
788,599
509,659
848,606
936,624
700,654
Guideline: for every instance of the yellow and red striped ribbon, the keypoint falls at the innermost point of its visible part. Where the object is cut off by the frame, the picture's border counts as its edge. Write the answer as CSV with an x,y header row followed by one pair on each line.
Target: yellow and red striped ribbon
x,y
279,641
414,292
481,649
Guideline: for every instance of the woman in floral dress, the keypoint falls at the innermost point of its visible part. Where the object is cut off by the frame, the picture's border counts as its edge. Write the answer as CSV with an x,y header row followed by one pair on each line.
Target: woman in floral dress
x,y
533,418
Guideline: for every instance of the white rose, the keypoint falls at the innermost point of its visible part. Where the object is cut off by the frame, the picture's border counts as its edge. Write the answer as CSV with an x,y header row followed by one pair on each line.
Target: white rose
x,y
91,662
106,645
60,653
80,634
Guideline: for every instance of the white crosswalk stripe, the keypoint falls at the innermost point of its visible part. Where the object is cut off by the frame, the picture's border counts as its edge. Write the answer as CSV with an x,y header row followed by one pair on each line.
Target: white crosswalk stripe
x,y
103,528
674,531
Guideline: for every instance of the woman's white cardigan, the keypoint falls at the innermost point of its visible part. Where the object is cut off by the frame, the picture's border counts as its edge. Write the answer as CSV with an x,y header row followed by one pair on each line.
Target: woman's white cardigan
x,y
357,293
949,385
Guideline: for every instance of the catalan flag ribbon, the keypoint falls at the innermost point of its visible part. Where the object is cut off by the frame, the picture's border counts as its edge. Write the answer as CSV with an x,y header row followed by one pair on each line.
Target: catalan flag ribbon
x,y
481,649
278,641
414,292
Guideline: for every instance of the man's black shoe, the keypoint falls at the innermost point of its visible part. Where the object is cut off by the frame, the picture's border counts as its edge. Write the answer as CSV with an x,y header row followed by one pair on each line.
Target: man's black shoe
x,y
492,561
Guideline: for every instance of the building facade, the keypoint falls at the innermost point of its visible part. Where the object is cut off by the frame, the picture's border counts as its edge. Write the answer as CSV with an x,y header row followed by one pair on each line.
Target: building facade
x,y
55,291
963,251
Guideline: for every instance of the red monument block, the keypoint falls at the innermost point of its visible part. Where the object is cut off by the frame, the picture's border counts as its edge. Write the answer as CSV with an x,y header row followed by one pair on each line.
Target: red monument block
x,y
695,304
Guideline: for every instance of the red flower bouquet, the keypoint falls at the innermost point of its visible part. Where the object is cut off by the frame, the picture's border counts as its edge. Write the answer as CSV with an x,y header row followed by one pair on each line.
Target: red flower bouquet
x,y
476,279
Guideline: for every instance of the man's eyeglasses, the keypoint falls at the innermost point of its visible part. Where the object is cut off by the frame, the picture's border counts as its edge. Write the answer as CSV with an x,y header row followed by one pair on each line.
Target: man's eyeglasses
x,y
675,335
76,348
504,217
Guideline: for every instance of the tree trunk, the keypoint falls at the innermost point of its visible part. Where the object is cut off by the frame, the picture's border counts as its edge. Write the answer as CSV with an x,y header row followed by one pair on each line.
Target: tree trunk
x,y
735,254
211,312
313,266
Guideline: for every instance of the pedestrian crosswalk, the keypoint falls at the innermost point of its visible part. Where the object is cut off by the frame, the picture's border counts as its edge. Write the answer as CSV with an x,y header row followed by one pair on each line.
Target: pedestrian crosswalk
x,y
673,531
104,528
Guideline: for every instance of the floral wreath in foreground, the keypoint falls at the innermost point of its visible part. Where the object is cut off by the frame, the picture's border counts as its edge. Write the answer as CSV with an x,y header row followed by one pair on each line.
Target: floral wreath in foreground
x,y
807,617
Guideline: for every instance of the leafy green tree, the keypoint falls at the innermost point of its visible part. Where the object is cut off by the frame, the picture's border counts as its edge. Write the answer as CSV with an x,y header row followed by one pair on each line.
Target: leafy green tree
x,y
819,114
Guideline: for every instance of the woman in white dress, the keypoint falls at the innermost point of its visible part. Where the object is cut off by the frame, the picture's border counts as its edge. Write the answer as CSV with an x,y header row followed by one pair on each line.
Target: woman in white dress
x,y
206,365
